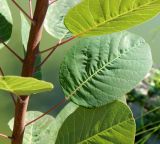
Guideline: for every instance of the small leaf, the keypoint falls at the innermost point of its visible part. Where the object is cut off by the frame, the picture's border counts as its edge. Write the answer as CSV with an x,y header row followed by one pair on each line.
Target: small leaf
x,y
25,29
99,70
54,21
108,16
46,129
23,85
5,22
110,124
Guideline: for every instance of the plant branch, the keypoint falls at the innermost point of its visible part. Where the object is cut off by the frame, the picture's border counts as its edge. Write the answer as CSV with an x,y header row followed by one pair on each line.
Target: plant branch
x,y
13,98
51,109
28,68
58,44
52,49
12,51
30,9
52,1
19,7
5,136
1,72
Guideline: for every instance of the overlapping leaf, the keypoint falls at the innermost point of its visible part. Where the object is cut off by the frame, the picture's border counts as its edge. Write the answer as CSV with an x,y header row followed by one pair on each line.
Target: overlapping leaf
x,y
46,129
110,124
54,22
99,70
97,17
5,22
23,85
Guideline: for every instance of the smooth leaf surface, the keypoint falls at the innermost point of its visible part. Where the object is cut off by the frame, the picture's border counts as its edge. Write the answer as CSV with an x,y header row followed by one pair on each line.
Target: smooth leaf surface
x,y
23,85
5,22
97,17
25,29
99,70
54,21
46,129
110,124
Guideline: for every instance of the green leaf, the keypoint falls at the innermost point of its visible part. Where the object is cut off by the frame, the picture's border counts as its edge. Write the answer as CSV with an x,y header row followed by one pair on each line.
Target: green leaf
x,y
108,16
99,70
5,22
54,21
39,132
46,129
23,85
25,29
110,124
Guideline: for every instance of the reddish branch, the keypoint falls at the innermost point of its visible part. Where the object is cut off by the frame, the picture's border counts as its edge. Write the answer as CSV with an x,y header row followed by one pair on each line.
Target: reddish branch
x,y
52,1
30,8
47,112
59,44
52,49
1,72
28,68
12,51
21,9
5,136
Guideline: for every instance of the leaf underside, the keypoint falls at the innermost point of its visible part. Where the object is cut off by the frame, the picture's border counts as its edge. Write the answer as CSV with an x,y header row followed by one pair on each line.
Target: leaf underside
x,y
54,21
46,129
99,70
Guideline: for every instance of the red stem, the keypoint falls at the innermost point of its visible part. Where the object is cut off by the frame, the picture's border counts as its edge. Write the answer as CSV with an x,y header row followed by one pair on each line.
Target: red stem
x,y
12,51
52,49
52,1
28,68
51,109
30,8
1,72
58,44
18,6
5,136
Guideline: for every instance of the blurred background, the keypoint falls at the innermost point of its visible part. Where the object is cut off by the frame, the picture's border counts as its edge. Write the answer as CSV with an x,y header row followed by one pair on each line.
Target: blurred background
x,y
144,99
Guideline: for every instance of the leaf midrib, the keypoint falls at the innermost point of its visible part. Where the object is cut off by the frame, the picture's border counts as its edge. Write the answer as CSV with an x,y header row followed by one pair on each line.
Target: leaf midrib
x,y
130,119
109,20
96,72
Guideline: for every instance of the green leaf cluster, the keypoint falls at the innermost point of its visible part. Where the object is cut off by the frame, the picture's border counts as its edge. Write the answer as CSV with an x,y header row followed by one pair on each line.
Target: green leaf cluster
x,y
100,68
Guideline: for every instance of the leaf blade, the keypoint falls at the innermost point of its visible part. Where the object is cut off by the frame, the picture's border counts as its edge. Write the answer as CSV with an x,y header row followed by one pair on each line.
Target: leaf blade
x,y
23,85
5,22
99,125
108,16
54,22
99,70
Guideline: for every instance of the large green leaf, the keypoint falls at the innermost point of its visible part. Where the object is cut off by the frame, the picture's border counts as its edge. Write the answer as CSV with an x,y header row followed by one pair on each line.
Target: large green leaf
x,y
110,124
25,29
97,17
5,22
98,70
46,129
23,85
54,21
